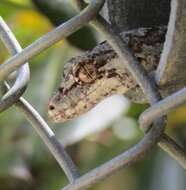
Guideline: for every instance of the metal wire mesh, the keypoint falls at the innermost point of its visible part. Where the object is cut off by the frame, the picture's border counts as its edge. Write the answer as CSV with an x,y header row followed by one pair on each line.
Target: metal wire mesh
x,y
154,134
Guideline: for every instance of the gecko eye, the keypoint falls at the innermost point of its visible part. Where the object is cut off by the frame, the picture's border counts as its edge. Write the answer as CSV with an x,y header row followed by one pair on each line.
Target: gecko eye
x,y
87,73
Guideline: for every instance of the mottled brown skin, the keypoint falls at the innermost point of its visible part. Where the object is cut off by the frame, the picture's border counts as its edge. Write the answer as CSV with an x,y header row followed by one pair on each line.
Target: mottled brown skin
x,y
97,74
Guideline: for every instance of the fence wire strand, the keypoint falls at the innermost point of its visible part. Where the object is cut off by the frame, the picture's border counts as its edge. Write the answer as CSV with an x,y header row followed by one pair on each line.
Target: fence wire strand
x,y
51,38
148,86
23,74
36,120
162,107
155,114
50,139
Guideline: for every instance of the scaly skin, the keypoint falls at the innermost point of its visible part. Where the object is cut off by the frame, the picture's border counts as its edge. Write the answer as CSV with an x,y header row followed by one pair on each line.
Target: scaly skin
x,y
97,74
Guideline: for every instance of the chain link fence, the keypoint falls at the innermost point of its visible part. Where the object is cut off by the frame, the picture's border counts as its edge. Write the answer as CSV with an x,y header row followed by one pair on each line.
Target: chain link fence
x,y
152,121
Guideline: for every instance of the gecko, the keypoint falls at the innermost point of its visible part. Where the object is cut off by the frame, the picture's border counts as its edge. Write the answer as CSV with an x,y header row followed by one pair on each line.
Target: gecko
x,y
98,73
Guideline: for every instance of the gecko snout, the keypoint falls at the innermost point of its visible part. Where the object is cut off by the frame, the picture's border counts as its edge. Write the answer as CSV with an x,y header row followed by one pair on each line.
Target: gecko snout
x,y
51,110
56,114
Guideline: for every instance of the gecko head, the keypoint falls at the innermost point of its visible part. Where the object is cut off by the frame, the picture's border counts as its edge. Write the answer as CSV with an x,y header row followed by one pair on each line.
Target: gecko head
x,y
81,88
89,78
78,75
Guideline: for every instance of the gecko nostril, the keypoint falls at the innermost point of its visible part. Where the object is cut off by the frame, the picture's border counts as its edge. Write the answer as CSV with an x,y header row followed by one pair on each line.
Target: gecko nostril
x,y
51,107
61,89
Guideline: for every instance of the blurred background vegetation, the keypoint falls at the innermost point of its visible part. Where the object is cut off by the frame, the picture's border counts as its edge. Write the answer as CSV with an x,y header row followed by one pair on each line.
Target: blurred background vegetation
x,y
26,163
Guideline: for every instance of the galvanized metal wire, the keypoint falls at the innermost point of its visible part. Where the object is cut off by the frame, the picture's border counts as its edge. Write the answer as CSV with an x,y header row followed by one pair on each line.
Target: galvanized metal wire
x,y
23,75
51,38
155,114
37,121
